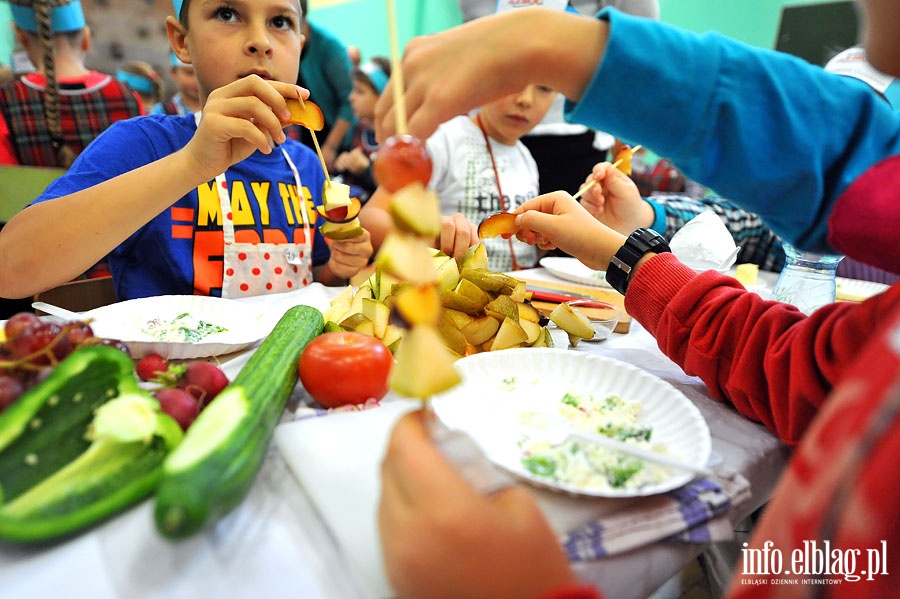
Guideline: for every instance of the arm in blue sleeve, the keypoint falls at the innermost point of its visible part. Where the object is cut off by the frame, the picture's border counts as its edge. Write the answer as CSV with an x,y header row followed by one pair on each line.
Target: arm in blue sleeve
x,y
659,216
780,137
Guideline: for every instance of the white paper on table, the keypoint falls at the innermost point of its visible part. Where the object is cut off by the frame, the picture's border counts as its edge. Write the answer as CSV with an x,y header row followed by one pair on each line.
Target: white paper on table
x,y
337,459
705,243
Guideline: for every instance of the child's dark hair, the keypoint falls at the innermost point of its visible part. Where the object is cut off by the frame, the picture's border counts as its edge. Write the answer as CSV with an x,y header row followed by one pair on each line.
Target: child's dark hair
x,y
183,17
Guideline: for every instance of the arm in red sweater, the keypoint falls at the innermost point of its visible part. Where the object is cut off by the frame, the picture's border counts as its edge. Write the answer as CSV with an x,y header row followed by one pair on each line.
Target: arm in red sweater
x,y
774,364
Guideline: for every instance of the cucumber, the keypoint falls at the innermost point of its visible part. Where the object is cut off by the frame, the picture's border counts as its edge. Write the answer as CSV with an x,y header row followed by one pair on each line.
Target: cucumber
x,y
110,476
45,428
81,446
214,467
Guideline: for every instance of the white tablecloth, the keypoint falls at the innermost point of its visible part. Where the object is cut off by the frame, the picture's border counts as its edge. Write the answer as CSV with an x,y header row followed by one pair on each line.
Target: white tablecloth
x,y
276,544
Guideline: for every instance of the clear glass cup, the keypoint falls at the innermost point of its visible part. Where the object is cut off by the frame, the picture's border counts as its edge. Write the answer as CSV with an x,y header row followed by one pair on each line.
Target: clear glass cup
x,y
807,280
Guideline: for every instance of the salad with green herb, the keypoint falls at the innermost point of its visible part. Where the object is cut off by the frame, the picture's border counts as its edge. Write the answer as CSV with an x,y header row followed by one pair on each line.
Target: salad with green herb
x,y
184,328
586,465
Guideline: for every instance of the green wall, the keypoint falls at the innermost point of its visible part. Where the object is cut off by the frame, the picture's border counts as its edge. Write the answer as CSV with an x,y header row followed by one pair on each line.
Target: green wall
x,y
752,21
363,23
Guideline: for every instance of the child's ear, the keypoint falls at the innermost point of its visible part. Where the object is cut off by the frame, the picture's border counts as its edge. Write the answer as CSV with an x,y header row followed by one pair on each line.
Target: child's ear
x,y
86,40
178,39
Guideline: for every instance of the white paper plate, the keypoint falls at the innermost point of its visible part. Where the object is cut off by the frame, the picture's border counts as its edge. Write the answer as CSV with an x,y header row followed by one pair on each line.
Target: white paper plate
x,y
857,290
485,407
570,269
124,321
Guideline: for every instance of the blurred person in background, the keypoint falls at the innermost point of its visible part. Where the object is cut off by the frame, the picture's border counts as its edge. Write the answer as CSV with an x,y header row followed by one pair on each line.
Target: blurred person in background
x,y
354,161
187,99
325,69
142,78
48,117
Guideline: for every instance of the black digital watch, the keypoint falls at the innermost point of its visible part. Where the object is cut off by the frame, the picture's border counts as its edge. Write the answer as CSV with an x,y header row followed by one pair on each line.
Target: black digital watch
x,y
618,274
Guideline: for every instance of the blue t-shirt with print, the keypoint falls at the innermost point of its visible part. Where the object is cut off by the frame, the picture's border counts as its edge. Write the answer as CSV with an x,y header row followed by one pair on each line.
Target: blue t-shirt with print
x,y
180,250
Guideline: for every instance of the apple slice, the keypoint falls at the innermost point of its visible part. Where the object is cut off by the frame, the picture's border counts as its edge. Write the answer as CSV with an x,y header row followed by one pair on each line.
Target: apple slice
x,y
418,304
481,329
502,307
378,313
491,281
341,214
624,154
460,319
417,210
532,329
346,230
545,339
474,257
502,224
452,336
423,346
510,335
528,312
306,114
407,258
447,272
335,195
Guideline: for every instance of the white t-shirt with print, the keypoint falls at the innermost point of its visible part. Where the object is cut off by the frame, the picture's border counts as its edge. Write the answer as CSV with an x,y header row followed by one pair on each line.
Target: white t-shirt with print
x,y
464,180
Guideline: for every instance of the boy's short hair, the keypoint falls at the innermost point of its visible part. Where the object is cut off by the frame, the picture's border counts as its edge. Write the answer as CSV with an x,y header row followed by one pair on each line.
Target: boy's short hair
x,y
66,17
180,11
374,73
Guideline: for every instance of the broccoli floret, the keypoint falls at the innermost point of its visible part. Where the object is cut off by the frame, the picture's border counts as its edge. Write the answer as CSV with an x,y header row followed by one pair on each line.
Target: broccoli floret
x,y
570,400
626,433
540,465
625,467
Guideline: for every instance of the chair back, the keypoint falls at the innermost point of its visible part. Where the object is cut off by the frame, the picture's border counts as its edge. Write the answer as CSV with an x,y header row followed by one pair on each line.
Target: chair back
x,y
81,295
19,185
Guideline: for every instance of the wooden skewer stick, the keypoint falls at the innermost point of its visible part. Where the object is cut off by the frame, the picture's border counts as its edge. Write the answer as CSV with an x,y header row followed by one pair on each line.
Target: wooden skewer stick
x,y
318,150
590,183
396,71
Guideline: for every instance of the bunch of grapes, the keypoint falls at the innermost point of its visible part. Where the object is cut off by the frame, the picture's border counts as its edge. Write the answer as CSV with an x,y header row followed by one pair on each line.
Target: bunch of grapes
x,y
34,346
185,389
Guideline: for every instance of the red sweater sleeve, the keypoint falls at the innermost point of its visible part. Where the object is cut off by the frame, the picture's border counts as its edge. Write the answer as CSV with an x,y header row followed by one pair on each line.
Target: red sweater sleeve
x,y
774,364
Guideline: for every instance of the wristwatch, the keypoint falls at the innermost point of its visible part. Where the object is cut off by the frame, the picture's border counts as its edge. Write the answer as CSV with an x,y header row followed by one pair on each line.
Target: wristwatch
x,y
618,273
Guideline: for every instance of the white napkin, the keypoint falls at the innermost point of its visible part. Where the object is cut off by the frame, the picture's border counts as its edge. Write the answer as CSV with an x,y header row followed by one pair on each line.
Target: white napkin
x,y
704,243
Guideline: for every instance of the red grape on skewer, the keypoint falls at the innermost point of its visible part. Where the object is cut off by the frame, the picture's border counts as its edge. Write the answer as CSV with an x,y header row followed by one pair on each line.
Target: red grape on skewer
x,y
401,160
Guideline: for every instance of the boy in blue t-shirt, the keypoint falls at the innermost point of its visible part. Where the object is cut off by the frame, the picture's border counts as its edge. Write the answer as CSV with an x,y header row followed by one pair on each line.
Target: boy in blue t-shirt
x,y
218,205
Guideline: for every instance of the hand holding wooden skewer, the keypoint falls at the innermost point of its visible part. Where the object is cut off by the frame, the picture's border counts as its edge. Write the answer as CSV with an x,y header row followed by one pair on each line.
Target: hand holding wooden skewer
x,y
590,184
318,151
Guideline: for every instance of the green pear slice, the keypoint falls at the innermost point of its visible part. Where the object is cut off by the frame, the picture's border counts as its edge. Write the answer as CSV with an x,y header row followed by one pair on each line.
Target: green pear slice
x,y
423,345
572,320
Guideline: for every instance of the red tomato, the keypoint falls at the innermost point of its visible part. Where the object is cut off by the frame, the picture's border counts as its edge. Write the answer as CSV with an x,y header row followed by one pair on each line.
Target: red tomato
x,y
345,367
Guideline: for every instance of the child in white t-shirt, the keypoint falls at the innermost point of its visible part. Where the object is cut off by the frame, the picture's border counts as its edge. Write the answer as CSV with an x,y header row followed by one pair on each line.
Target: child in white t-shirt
x,y
481,167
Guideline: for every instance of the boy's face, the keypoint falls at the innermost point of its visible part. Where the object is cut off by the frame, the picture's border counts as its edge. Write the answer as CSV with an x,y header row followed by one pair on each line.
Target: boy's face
x,y
511,117
363,98
230,39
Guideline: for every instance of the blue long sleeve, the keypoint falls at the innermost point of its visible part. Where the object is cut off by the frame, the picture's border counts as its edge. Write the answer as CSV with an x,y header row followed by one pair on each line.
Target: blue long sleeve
x,y
780,137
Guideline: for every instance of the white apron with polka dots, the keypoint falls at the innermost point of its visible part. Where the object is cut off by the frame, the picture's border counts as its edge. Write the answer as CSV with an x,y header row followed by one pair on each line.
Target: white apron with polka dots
x,y
261,268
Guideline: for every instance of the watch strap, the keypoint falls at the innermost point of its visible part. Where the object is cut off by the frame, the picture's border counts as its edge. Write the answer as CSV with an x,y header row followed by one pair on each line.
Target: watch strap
x,y
619,271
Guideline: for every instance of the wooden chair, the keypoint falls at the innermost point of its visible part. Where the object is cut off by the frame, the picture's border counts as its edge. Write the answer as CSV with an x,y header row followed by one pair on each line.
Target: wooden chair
x,y
19,185
80,296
